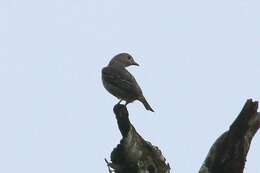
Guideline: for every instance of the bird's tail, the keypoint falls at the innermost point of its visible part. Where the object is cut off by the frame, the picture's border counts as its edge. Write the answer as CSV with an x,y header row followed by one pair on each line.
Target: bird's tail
x,y
146,104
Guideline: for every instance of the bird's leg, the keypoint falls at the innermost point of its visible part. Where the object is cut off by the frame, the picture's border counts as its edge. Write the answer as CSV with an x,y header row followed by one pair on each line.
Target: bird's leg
x,y
126,103
119,101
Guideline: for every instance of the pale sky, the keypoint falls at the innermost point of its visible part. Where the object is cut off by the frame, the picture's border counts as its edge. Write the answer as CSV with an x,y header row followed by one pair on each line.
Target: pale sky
x,y
199,63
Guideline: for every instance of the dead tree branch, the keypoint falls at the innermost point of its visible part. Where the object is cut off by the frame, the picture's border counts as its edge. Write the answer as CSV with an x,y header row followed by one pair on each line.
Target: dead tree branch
x,y
228,153
134,154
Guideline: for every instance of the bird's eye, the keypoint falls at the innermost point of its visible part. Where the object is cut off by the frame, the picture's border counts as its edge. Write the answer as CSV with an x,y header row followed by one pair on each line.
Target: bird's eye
x,y
129,57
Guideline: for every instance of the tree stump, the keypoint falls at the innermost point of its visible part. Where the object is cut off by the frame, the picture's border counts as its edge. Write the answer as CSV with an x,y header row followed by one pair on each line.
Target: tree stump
x,y
227,154
134,154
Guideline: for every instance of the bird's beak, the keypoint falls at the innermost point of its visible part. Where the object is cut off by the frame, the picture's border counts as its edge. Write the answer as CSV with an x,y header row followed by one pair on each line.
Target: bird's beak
x,y
135,63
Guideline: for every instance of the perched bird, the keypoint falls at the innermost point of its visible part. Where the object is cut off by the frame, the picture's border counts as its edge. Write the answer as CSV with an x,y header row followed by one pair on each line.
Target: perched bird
x,y
120,83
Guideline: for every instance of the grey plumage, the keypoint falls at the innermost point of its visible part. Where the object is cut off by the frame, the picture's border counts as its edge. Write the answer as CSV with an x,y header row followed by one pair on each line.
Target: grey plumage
x,y
120,83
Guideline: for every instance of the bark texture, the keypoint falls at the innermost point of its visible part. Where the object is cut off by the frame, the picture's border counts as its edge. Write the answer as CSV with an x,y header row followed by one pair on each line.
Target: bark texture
x,y
134,154
227,154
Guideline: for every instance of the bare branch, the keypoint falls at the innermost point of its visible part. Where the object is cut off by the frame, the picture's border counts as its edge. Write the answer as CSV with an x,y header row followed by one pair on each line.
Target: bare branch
x,y
228,153
134,154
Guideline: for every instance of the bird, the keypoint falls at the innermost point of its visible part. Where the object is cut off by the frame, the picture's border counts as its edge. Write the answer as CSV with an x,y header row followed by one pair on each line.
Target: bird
x,y
119,82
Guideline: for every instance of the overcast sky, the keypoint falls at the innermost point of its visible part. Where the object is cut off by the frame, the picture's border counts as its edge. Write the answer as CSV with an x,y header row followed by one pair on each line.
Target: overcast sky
x,y
200,61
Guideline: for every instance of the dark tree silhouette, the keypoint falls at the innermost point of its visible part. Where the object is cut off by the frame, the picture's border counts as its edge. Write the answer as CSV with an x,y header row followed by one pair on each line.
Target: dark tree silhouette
x,y
227,154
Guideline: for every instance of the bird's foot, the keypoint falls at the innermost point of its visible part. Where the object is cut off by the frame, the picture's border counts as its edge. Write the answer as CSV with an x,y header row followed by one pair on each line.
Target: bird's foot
x,y
119,102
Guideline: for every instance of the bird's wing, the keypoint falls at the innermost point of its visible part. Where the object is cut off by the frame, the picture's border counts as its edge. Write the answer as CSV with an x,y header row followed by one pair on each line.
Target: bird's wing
x,y
121,78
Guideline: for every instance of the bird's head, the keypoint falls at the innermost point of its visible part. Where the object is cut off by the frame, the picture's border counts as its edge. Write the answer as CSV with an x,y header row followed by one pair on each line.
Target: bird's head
x,y
123,59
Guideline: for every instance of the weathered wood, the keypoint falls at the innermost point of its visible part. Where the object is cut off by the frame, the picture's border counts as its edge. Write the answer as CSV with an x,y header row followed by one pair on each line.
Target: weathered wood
x,y
134,154
228,153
